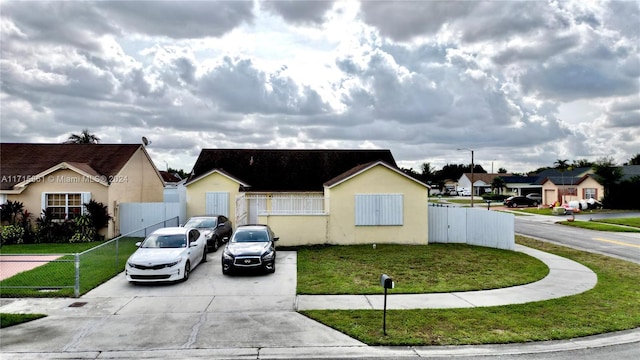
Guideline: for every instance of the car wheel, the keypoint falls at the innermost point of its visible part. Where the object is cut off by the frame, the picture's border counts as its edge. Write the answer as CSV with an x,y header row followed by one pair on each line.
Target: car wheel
x,y
187,271
535,203
216,244
204,253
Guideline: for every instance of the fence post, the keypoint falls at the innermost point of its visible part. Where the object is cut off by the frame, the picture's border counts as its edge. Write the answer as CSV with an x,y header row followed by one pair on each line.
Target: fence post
x,y
77,284
117,257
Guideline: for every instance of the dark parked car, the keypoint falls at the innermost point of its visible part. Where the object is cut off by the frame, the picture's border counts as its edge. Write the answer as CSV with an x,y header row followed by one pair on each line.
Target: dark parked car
x,y
250,247
217,229
515,201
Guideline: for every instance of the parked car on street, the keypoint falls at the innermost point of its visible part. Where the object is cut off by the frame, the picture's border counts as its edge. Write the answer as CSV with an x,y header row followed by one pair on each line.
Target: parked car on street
x,y
217,229
535,196
250,247
515,201
167,254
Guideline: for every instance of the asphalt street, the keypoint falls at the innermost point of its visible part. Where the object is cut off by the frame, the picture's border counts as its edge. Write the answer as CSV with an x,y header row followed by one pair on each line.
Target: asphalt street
x,y
624,246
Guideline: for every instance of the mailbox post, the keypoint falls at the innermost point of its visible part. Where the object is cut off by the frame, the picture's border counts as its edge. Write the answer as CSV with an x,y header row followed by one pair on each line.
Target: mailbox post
x,y
387,283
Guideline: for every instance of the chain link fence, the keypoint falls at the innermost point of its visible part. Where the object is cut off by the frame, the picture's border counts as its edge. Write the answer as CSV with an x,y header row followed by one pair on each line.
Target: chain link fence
x,y
69,275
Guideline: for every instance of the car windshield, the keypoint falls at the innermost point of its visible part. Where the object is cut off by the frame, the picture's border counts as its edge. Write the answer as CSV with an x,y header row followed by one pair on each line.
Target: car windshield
x,y
165,241
251,236
200,223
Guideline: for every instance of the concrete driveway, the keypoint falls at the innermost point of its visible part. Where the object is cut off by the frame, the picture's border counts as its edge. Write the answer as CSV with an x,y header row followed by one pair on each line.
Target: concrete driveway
x,y
209,311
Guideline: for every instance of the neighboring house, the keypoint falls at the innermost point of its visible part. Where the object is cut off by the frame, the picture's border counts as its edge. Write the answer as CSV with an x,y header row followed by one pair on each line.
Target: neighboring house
x,y
482,183
63,177
567,185
172,186
312,196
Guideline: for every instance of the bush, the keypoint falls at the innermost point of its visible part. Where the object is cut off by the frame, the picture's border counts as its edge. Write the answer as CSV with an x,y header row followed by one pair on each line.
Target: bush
x,y
493,197
12,234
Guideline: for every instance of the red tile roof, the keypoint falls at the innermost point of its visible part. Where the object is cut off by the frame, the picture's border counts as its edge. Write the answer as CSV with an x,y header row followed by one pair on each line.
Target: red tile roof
x,y
21,160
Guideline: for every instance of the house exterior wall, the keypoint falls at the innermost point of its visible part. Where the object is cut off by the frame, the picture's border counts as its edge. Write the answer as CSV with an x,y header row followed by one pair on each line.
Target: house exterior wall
x,y
59,181
196,191
137,181
377,180
294,230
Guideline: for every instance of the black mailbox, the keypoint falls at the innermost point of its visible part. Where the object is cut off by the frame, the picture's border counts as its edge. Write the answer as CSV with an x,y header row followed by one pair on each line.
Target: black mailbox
x,y
386,282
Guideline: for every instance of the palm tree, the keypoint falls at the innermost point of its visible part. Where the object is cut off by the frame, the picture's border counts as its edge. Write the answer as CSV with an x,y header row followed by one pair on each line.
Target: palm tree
x,y
497,183
84,138
562,165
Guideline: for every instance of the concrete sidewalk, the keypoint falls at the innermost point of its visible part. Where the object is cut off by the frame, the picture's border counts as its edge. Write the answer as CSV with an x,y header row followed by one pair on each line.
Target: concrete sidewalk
x,y
256,318
565,278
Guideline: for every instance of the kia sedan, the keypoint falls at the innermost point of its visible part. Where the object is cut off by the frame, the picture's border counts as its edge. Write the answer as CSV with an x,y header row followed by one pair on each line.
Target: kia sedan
x,y
168,254
250,247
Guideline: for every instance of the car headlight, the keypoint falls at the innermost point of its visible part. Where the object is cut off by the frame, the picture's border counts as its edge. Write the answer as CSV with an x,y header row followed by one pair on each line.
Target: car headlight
x,y
171,264
227,255
268,256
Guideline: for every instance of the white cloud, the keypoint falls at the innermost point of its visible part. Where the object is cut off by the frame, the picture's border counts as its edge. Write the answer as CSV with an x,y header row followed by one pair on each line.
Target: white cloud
x,y
519,82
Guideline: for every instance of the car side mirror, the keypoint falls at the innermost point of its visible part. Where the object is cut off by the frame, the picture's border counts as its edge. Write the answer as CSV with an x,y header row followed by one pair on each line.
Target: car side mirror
x,y
276,238
138,243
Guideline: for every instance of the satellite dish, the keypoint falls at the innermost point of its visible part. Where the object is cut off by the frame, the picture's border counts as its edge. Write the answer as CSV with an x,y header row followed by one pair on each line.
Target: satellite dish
x,y
145,141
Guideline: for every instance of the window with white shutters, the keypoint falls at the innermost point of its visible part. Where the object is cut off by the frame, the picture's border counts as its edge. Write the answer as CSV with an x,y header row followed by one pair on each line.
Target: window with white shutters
x,y
379,209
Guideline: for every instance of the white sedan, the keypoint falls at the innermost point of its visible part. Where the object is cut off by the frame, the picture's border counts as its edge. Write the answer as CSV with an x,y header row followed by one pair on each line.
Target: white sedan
x,y
168,254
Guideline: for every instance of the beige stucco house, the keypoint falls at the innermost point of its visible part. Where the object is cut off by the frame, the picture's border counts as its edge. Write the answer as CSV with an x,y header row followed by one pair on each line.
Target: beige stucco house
x,y
312,196
63,177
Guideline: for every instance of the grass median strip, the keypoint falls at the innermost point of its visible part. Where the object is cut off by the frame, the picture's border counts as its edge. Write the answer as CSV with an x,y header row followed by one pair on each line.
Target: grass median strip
x,y
614,304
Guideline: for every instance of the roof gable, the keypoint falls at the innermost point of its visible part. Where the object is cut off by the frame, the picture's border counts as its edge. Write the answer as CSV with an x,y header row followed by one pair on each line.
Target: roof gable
x,y
363,168
19,161
285,170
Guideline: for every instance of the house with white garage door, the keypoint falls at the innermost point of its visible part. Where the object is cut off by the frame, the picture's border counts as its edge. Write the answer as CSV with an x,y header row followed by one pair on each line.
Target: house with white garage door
x,y
312,196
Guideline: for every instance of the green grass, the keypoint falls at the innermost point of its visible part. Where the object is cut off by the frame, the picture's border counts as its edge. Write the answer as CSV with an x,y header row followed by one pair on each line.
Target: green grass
x,y
7,320
633,222
356,269
57,278
614,304
46,248
602,226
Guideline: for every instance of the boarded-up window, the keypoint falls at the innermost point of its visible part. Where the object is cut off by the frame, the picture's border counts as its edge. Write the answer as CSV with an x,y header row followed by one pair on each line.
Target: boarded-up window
x,y
379,209
217,203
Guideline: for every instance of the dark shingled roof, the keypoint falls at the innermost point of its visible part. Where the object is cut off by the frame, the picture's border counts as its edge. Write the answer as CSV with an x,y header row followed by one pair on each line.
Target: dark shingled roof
x,y
21,160
285,170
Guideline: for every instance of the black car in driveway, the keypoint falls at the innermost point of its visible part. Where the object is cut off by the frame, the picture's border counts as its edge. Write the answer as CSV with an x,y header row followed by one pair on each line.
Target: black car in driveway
x,y
515,201
217,229
250,247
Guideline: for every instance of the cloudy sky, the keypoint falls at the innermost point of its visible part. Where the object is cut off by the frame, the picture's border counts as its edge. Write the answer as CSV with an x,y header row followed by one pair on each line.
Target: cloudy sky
x,y
522,83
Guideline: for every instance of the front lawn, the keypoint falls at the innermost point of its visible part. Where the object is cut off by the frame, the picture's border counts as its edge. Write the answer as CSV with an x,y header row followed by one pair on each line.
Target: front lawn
x,y
58,278
415,269
614,304
614,225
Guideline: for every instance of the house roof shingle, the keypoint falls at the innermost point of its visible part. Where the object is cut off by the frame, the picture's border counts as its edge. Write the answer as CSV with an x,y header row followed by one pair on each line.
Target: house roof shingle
x,y
285,170
18,161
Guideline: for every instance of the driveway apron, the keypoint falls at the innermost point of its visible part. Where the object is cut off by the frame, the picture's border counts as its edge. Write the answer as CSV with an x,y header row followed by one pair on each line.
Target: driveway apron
x,y
208,311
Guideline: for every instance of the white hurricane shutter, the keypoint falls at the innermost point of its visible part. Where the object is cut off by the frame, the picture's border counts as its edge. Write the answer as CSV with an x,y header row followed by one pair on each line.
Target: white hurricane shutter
x,y
379,209
217,203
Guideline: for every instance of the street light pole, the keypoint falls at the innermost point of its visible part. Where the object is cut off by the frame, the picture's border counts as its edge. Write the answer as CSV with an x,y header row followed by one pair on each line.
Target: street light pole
x,y
472,166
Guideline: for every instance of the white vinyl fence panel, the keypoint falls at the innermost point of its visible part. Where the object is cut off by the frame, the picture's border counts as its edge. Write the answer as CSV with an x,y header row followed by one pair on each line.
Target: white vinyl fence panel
x,y
471,226
136,216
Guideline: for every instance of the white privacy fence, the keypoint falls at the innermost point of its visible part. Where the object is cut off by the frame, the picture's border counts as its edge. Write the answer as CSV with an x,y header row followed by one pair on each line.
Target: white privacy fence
x,y
135,216
473,226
